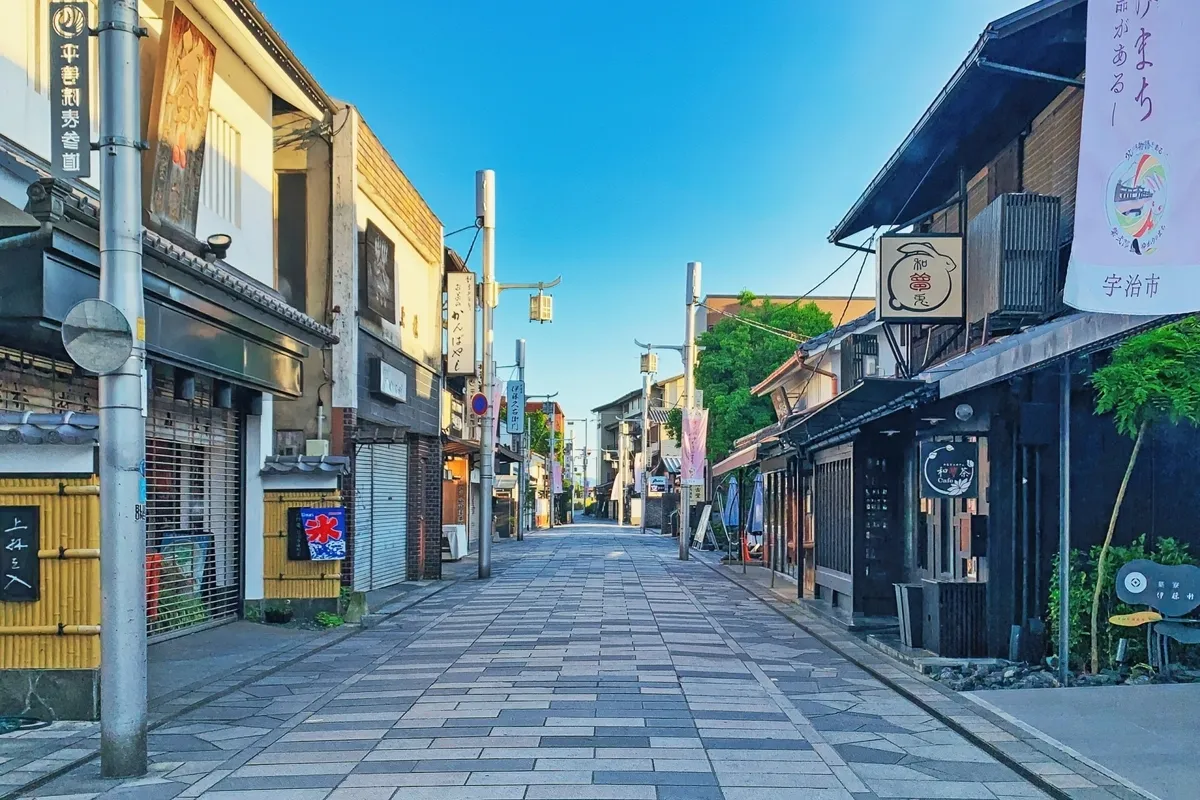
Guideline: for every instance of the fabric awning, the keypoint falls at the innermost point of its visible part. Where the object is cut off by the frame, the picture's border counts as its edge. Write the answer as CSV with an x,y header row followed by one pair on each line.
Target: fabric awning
x,y
739,458
457,446
671,464
507,454
658,416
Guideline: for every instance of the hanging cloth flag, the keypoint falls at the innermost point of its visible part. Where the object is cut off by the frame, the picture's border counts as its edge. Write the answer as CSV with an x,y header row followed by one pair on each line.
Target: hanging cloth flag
x,y
695,441
1137,207
325,531
557,479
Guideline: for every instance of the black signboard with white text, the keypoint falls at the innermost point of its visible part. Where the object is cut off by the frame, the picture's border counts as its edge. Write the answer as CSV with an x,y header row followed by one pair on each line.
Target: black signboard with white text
x,y
70,89
20,538
949,469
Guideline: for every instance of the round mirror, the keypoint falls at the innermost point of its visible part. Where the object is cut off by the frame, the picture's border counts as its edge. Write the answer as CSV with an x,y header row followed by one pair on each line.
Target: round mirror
x,y
97,336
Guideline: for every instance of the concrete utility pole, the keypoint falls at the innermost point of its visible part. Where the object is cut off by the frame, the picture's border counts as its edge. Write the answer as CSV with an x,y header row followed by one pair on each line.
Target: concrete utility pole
x,y
622,435
586,422
1064,524
485,213
522,474
689,396
122,428
645,455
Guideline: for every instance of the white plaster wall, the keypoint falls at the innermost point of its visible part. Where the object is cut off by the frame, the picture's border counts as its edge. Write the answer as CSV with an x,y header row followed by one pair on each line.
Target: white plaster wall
x,y
237,95
259,442
418,292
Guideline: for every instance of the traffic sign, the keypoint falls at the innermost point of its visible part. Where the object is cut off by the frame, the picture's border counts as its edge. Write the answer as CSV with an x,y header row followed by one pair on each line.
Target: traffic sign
x,y
479,404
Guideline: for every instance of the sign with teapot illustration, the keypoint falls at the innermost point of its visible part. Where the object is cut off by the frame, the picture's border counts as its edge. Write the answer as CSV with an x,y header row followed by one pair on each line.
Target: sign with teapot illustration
x,y
920,278
949,469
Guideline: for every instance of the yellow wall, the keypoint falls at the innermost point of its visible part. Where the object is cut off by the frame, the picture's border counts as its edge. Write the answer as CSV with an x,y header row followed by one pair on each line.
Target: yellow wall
x,y
295,580
70,588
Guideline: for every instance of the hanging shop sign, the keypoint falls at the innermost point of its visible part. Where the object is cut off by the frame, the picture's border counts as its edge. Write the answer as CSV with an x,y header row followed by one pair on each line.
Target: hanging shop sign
x,y
693,445
20,538
70,89
516,407
179,108
1137,242
460,323
948,469
316,534
920,278
377,276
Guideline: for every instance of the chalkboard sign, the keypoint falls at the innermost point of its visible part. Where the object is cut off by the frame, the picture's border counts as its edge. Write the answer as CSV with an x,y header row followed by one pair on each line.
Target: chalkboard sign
x,y
297,542
20,538
949,469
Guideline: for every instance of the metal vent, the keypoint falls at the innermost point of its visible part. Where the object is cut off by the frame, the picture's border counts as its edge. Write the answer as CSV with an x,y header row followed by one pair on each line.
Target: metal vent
x,y
1013,261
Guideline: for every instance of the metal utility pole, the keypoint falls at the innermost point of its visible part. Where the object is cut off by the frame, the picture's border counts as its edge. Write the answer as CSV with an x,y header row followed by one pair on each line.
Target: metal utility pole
x,y
1064,525
645,465
622,435
122,428
586,422
485,213
689,396
522,450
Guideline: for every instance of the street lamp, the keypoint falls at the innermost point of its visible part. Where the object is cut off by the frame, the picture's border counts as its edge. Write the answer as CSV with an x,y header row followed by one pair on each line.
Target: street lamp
x,y
586,424
485,214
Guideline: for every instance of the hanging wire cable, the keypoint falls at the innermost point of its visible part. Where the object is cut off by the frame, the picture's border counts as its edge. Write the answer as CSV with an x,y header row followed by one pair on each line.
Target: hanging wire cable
x,y
470,249
474,225
762,326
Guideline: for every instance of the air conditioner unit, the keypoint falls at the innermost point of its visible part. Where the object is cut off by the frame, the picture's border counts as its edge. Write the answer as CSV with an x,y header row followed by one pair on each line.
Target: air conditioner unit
x,y
1013,261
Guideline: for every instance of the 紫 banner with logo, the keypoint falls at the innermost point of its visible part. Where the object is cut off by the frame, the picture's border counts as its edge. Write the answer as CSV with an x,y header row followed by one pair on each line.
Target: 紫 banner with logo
x,y
695,440
1137,213
556,479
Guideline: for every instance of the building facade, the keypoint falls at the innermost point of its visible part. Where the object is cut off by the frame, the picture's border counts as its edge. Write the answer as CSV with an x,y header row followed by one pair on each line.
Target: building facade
x,y
223,341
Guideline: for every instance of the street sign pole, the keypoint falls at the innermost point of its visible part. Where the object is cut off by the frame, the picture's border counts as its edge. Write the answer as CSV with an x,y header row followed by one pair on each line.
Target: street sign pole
x,y
689,396
485,212
522,476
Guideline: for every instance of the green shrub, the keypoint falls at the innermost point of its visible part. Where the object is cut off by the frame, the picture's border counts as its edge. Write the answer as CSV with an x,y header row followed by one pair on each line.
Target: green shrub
x,y
327,620
1083,584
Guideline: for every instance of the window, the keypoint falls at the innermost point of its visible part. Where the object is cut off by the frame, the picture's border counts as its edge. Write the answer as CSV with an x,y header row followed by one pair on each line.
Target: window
x,y
291,245
221,186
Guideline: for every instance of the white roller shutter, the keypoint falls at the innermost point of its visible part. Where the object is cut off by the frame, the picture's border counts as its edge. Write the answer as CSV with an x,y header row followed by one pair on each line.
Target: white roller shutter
x,y
381,516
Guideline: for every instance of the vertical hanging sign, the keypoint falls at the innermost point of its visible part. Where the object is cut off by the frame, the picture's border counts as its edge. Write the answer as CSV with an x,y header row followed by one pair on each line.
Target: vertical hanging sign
x,y
1137,241
695,441
460,323
516,407
70,89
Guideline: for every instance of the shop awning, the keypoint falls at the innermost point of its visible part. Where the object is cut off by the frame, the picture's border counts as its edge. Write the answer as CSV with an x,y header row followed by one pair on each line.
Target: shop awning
x,y
658,416
671,464
457,446
870,399
1036,347
738,458
980,110
507,454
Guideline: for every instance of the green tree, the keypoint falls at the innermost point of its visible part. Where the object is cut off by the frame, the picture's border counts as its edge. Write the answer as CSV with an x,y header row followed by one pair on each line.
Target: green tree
x,y
537,428
737,356
675,424
1153,376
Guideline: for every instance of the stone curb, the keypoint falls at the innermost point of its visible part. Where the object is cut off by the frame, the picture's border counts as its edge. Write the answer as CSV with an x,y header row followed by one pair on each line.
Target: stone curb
x,y
1042,761
189,698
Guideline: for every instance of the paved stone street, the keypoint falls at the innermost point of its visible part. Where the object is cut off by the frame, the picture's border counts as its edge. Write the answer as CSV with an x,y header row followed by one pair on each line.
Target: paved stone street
x,y
594,664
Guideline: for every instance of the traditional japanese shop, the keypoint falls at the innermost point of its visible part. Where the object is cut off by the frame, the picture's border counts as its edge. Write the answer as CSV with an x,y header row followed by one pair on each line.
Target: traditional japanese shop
x,y
216,344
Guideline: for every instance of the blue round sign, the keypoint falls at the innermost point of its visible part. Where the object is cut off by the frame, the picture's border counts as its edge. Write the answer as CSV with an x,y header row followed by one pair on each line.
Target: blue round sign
x,y
479,404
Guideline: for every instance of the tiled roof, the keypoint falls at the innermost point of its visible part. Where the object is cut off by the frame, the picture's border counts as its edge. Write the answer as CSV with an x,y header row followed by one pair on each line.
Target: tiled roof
x,y
69,427
291,465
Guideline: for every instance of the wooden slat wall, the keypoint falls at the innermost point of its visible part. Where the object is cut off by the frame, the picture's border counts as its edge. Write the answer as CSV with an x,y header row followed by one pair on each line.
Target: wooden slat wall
x,y
70,588
295,580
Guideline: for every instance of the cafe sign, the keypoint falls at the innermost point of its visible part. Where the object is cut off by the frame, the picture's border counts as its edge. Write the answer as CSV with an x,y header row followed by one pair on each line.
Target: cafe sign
x,y
920,278
949,469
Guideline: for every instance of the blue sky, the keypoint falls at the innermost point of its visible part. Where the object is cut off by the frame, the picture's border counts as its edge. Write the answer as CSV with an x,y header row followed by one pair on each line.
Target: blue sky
x,y
629,137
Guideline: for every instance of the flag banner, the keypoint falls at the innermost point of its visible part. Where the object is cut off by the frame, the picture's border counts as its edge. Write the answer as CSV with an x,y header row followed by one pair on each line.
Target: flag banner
x,y
639,473
557,479
1137,241
695,440
498,388
516,407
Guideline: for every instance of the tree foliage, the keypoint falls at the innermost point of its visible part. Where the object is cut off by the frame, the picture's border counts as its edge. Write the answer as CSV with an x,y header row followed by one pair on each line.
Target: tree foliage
x,y
537,428
737,356
675,424
1155,375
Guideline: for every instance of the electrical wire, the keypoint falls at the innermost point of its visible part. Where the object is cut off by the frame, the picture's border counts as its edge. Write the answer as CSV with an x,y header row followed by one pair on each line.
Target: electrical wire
x,y
471,249
762,326
474,225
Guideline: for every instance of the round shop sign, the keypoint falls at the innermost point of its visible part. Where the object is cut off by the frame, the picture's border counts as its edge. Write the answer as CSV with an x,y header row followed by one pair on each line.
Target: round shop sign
x,y
479,404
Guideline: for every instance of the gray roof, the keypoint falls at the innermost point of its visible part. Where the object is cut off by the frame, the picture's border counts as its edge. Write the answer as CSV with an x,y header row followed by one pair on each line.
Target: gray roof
x,y
830,337
68,427
301,465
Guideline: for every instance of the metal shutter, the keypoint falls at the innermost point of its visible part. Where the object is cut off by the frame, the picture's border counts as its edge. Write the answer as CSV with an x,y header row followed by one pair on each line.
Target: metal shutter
x,y
381,516
193,509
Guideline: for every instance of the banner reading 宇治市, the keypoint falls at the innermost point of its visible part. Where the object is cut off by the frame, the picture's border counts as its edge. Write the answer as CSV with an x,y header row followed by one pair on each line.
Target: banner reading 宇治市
x,y
693,444
1137,237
